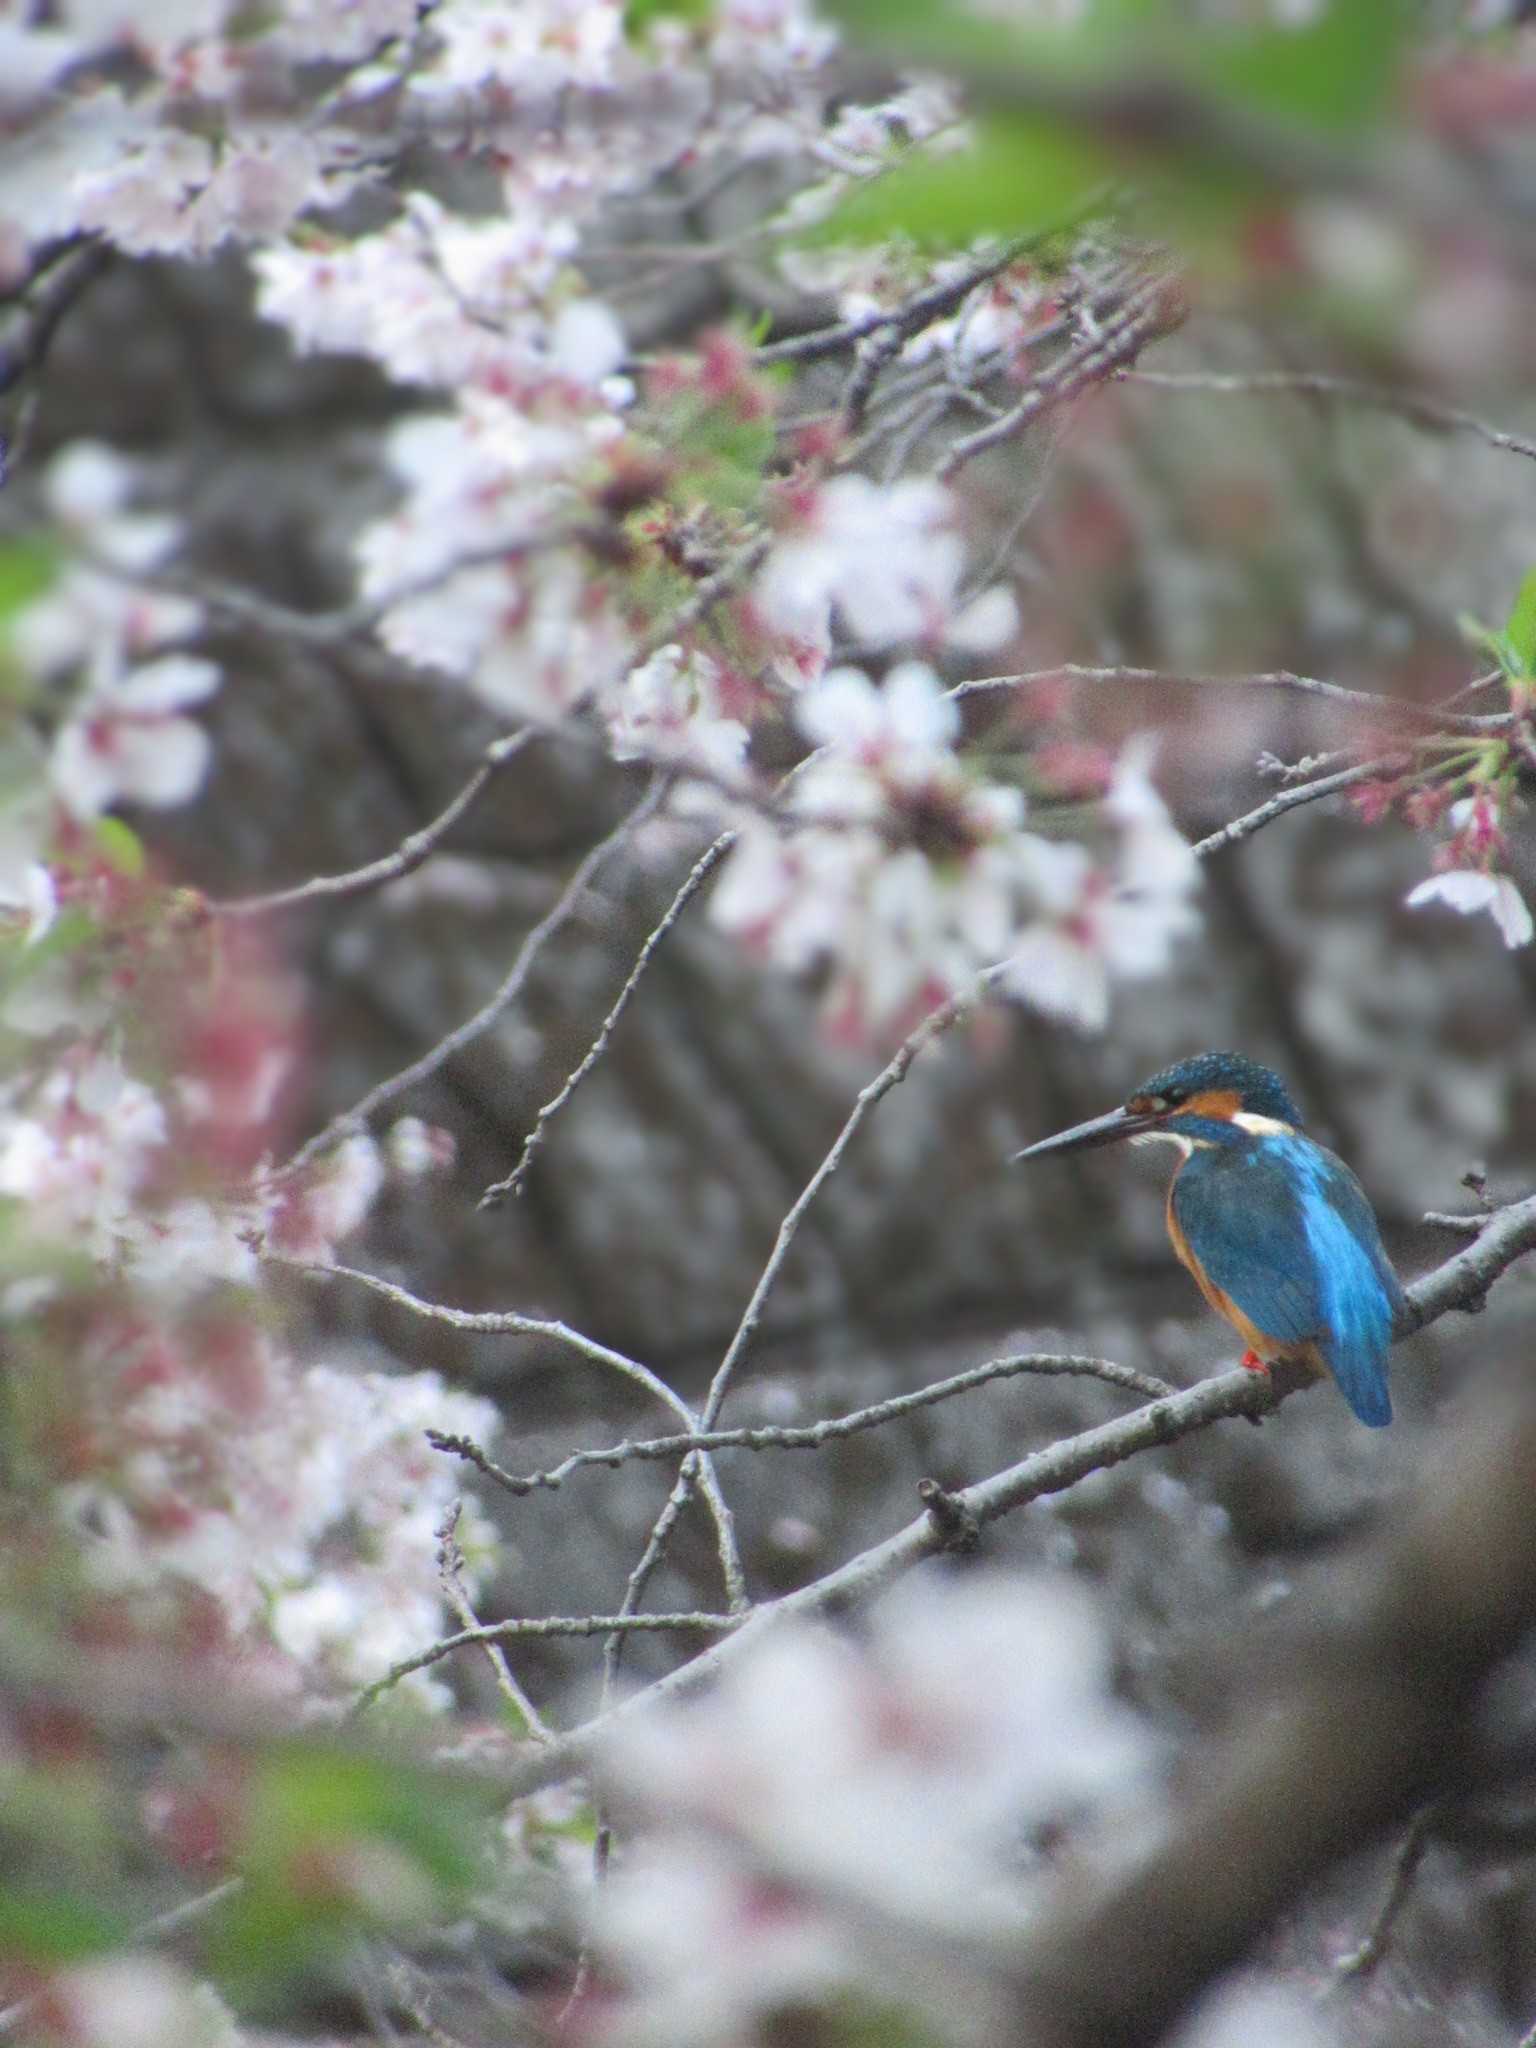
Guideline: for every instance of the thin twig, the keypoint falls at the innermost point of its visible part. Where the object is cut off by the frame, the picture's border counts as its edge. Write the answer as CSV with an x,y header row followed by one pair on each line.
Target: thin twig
x,y
697,876
1145,313
1422,410
1291,799
450,1567
407,856
565,906
548,1625
933,302
509,1323
1361,1961
1462,1280
808,1436
1363,702
1463,1226
345,622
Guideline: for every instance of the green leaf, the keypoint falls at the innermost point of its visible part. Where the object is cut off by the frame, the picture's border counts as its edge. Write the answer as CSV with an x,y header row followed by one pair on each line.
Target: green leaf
x,y
1335,71
28,565
640,14
55,1926
1108,35
1520,627
1016,180
121,847
334,1841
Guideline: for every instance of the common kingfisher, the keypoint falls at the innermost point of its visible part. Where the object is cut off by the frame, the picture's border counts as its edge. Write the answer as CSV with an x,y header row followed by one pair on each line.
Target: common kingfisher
x,y
1278,1233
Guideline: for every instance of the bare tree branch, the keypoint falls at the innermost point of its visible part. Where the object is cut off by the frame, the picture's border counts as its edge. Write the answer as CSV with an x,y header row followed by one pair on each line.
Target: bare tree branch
x,y
895,1070
547,1625
1361,1961
565,906
1365,703
1462,1282
1410,405
407,856
450,1571
508,1323
330,629
697,876
933,302
1148,310
809,1436
1292,799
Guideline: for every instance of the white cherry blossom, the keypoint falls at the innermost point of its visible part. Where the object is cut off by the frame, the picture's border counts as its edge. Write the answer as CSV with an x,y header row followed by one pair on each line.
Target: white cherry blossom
x,y
671,708
126,741
1470,890
887,561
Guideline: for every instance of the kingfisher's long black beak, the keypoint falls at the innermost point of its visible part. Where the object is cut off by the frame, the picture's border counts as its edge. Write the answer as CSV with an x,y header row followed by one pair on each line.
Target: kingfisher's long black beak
x,y
1099,1130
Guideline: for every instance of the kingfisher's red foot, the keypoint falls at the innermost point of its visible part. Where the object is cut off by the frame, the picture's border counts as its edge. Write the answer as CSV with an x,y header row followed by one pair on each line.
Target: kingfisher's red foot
x,y
1251,1362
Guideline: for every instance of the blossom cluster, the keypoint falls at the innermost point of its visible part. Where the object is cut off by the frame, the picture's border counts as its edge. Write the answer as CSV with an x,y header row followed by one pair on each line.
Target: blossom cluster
x,y
833,1817
198,1465
909,874
1471,859
103,643
551,508
205,1475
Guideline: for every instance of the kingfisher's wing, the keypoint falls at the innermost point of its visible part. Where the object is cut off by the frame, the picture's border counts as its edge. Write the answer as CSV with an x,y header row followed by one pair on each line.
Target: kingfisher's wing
x,y
1286,1230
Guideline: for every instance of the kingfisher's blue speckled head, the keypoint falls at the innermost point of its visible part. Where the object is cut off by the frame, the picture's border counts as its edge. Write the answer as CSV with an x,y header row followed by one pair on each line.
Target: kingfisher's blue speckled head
x,y
1213,1087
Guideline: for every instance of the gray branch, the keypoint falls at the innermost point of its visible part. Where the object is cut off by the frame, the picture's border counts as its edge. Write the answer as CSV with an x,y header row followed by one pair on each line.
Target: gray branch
x,y
1460,1283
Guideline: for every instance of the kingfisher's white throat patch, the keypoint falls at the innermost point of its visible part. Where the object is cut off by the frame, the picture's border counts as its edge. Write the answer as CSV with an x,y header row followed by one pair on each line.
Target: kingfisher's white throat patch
x,y
1185,1143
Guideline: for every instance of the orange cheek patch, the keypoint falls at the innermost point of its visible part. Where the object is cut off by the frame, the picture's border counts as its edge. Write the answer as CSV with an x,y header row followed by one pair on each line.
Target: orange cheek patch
x,y
1221,1104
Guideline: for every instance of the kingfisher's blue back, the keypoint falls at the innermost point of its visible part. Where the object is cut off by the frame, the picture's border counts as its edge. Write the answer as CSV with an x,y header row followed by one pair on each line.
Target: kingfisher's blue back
x,y
1275,1229
1283,1229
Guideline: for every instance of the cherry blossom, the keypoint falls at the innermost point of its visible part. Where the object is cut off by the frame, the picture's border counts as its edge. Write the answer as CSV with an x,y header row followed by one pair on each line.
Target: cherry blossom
x,y
901,875
309,1218
819,1772
1099,924
125,739
532,632
911,874
1470,890
887,560
672,707
133,2001
532,50
1469,875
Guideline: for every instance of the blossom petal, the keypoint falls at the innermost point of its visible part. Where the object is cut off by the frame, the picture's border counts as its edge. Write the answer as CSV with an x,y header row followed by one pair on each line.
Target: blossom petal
x,y
161,761
170,683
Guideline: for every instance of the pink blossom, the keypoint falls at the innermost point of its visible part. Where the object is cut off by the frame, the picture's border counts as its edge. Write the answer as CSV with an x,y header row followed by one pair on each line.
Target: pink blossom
x,y
1478,824
887,561
1098,924
125,739
1472,889
534,49
671,707
311,1216
821,1772
135,2001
